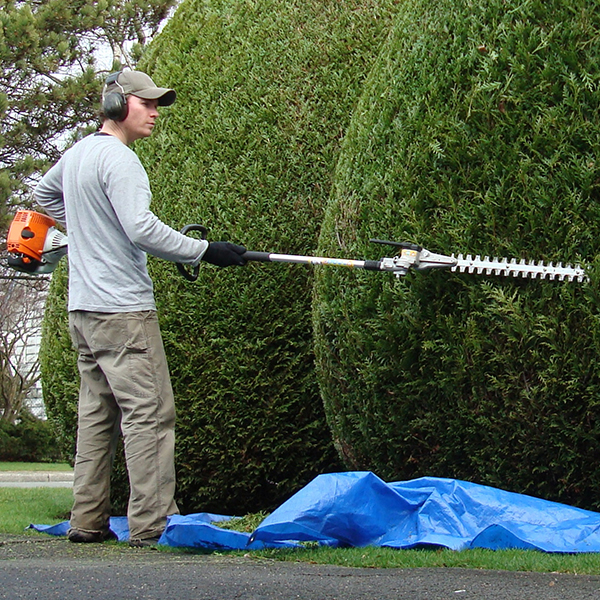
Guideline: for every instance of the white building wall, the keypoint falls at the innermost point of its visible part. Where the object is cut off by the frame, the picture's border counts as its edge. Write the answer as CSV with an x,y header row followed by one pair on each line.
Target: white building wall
x,y
35,400
29,314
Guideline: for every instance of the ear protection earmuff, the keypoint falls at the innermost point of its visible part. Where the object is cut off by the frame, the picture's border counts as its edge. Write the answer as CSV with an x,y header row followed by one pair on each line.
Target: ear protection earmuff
x,y
114,104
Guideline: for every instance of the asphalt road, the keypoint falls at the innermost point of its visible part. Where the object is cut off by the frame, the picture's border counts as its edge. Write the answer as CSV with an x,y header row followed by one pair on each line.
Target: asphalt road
x,y
40,567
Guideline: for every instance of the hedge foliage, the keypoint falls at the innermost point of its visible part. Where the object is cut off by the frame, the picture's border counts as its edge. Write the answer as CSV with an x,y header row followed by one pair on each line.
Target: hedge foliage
x,y
478,131
28,439
265,90
58,364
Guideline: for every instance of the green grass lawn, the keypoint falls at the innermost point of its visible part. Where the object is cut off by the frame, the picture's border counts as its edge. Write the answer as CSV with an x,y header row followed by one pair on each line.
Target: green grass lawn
x,y
22,466
498,560
20,507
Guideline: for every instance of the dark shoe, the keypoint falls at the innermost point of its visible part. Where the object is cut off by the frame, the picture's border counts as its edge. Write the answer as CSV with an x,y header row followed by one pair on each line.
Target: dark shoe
x,y
151,542
78,536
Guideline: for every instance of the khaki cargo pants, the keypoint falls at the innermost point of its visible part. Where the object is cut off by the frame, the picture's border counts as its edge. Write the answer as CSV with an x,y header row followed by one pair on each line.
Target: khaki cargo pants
x,y
125,388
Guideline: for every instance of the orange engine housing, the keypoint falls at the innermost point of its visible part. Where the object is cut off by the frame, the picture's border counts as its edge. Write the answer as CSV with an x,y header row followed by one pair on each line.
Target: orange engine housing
x,y
27,234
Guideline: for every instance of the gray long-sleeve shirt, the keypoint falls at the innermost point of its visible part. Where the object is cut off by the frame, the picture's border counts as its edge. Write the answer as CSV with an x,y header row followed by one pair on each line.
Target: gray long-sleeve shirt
x,y
100,191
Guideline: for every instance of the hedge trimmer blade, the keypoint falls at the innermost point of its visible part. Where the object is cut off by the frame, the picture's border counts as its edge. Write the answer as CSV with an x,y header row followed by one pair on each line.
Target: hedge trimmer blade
x,y
420,259
512,268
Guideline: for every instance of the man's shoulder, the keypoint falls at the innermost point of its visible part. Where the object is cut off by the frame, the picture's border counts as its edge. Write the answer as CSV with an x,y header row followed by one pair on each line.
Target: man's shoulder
x,y
101,140
104,146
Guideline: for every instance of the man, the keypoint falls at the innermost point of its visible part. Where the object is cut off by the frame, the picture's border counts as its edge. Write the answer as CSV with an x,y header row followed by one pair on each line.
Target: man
x,y
100,191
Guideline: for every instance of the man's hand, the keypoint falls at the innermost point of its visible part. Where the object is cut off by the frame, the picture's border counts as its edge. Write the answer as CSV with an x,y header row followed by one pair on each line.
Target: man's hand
x,y
224,254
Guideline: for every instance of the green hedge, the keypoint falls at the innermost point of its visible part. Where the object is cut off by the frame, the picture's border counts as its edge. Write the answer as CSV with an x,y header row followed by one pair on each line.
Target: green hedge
x,y
58,364
265,92
478,131
29,439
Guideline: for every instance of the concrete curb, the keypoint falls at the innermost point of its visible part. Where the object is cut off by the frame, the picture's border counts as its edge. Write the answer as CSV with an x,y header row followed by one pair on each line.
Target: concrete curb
x,y
36,478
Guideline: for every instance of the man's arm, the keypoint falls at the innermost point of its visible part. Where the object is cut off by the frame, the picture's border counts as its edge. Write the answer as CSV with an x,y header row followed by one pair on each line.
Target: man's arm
x,y
128,190
49,194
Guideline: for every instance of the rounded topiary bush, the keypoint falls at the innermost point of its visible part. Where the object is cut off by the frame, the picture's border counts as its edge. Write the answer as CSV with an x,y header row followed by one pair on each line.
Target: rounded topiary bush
x,y
478,131
265,92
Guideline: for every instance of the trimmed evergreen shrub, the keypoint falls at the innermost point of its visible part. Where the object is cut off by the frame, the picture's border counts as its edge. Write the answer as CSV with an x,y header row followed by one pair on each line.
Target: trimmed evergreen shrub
x,y
58,364
28,439
478,131
265,92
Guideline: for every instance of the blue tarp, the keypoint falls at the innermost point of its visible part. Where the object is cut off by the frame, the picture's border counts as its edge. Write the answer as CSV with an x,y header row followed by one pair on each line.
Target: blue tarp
x,y
190,531
359,509
118,525
197,531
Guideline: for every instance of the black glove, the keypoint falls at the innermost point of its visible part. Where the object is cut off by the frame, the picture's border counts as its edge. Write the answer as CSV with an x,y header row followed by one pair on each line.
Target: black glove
x,y
224,254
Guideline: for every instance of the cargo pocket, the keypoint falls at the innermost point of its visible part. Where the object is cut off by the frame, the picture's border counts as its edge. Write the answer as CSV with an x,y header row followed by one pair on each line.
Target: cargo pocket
x,y
139,355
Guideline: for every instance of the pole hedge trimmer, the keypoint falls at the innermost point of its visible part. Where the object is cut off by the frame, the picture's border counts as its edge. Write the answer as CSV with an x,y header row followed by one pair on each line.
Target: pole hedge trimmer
x,y
417,258
36,246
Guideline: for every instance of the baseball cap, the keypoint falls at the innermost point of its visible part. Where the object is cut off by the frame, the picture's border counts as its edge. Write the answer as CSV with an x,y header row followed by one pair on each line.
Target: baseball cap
x,y
139,84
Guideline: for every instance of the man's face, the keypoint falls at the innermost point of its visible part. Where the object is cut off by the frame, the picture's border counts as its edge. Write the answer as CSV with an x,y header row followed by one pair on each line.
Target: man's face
x,y
141,116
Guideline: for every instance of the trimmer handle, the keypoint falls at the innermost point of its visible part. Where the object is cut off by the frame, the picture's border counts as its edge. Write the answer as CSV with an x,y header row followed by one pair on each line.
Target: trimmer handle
x,y
193,275
257,256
